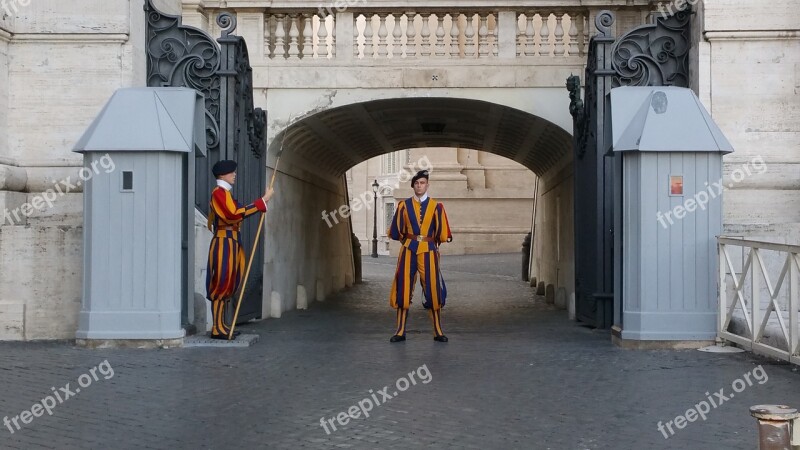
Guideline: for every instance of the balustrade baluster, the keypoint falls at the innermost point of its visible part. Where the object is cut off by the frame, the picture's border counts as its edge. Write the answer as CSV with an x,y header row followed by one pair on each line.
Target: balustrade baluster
x,y
469,35
308,45
455,51
397,35
355,35
483,36
426,36
333,36
267,35
573,35
530,35
280,36
369,47
322,38
439,51
294,33
581,37
382,33
495,43
586,28
558,49
544,34
411,36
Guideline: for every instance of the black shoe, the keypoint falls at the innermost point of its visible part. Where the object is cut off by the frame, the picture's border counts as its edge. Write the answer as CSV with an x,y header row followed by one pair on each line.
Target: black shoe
x,y
221,337
397,338
441,338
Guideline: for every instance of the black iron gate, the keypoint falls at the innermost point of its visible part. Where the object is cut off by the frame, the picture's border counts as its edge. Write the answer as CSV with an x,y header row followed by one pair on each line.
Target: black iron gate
x,y
184,56
651,55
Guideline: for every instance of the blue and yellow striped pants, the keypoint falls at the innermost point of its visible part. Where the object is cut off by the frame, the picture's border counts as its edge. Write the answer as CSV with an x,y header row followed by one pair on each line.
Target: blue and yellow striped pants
x,y
226,261
426,264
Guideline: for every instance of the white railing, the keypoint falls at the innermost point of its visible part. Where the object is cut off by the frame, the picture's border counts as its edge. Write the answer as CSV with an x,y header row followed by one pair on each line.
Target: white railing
x,y
759,296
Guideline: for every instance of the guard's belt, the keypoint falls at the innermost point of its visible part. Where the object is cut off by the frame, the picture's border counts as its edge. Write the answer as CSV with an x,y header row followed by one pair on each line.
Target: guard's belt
x,y
417,237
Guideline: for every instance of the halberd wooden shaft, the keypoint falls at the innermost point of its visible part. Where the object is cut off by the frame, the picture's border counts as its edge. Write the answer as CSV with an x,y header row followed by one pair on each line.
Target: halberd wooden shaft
x,y
252,255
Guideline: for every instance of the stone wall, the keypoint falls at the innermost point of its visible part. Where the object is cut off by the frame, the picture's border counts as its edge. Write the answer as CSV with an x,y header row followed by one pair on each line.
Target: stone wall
x,y
749,78
58,66
553,248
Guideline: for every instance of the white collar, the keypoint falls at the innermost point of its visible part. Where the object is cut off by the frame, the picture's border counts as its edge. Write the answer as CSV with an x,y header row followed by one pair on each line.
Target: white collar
x,y
421,199
224,185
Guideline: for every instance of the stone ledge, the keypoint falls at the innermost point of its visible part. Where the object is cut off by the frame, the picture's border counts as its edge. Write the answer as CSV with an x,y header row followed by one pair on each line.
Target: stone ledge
x,y
242,341
629,344
130,343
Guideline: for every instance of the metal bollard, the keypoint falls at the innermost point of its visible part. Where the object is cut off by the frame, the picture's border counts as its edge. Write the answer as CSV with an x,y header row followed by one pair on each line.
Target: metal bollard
x,y
526,256
356,258
776,427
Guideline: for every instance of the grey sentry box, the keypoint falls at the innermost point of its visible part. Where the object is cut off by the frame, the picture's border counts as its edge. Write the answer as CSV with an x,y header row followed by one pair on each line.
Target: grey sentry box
x,y
139,217
668,183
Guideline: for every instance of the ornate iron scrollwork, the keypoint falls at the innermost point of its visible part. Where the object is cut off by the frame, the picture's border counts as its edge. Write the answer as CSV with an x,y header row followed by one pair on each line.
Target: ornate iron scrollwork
x,y
656,54
184,56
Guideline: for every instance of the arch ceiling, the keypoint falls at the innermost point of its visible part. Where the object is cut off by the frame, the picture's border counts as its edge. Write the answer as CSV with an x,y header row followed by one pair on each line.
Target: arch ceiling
x,y
334,140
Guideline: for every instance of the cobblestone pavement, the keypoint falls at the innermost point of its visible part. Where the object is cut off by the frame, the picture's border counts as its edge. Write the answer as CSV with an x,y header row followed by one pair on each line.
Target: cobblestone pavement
x,y
515,374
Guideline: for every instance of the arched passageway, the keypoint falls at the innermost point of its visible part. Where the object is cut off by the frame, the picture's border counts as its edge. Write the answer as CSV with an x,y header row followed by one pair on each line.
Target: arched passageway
x,y
307,258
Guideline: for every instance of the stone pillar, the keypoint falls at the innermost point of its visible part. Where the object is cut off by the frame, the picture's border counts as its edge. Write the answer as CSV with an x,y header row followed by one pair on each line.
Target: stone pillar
x,y
473,169
344,36
507,34
251,27
445,169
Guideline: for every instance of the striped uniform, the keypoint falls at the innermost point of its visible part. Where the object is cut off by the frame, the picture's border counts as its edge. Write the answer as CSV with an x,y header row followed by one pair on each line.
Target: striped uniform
x,y
226,256
426,219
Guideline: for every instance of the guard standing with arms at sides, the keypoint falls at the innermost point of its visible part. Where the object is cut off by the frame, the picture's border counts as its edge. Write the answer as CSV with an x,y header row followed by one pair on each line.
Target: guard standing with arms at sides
x,y
420,224
226,256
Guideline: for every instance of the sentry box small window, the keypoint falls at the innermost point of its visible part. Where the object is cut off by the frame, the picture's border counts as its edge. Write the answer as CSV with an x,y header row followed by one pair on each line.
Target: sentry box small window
x,y
676,185
127,181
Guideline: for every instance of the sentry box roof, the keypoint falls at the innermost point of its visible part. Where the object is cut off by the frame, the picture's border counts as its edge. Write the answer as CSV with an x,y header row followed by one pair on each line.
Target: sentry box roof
x,y
663,119
148,119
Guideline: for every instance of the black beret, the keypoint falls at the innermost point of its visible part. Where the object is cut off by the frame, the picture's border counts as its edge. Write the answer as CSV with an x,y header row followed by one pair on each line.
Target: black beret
x,y
223,167
420,174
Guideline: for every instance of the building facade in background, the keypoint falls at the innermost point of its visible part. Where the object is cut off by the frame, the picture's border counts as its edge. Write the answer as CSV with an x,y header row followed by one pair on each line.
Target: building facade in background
x,y
489,198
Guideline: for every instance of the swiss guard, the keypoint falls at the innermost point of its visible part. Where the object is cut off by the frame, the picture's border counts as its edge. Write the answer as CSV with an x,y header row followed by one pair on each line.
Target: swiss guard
x,y
226,256
420,224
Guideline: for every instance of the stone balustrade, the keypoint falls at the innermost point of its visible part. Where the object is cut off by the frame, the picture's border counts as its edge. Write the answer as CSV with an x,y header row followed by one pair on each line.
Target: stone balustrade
x,y
362,33
454,35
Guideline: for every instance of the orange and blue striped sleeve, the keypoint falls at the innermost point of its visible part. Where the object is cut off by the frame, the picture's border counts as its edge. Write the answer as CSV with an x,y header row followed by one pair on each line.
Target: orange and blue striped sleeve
x,y
395,231
443,233
229,210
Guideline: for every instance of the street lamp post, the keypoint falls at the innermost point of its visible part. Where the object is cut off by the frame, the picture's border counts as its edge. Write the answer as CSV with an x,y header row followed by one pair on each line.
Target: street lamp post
x,y
375,219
